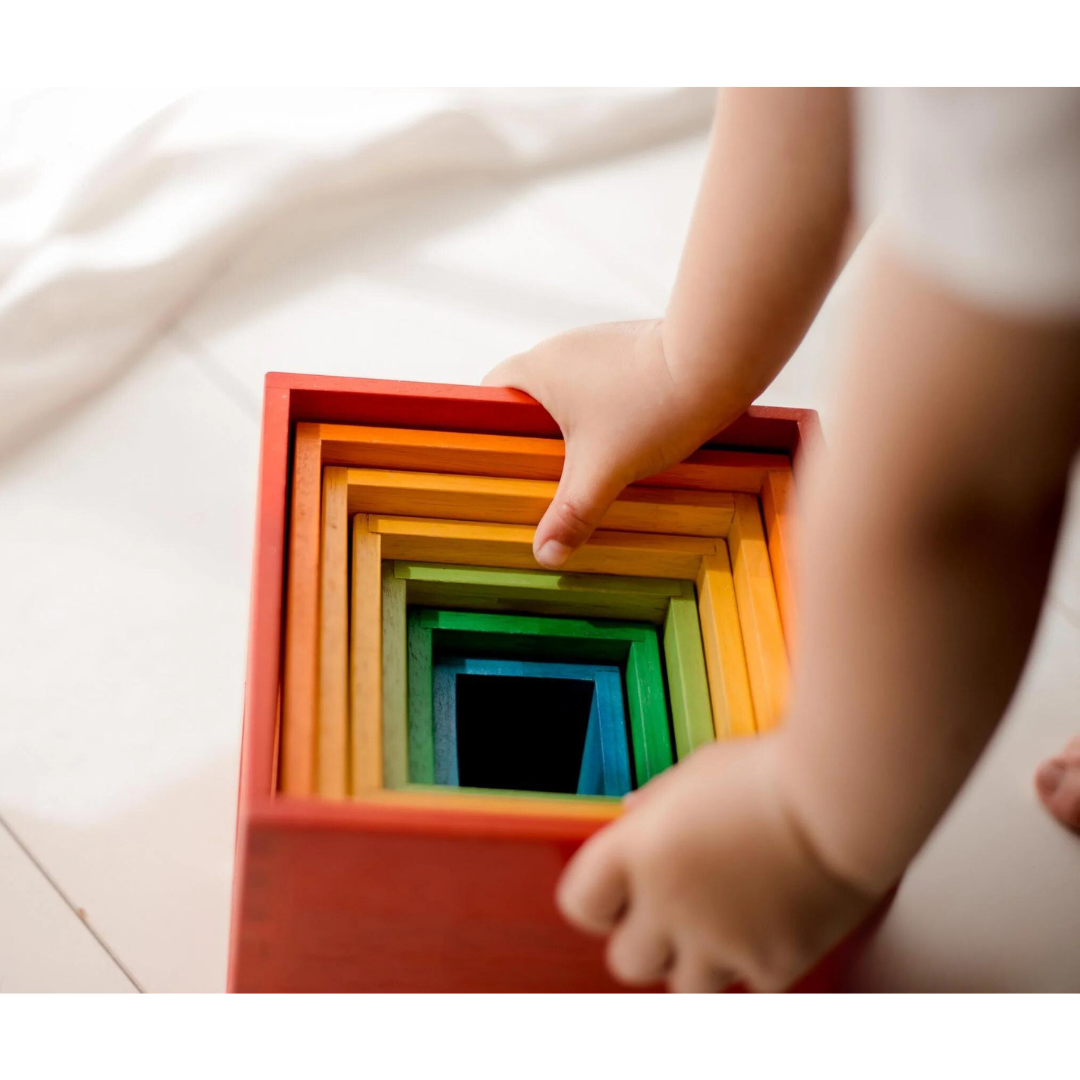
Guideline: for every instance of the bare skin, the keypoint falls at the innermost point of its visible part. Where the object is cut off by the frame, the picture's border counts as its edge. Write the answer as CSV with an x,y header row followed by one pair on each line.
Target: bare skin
x,y
1058,784
930,552
762,252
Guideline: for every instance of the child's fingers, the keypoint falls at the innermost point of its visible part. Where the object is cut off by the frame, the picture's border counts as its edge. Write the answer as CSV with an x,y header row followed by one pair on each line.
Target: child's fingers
x,y
587,488
588,485
511,372
635,799
693,973
595,889
637,952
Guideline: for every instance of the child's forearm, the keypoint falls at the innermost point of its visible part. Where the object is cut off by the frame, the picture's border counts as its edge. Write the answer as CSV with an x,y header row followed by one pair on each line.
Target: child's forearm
x,y
765,242
928,547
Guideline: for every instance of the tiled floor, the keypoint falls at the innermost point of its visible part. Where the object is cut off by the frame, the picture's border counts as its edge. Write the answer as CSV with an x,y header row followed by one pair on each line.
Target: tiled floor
x,y
122,630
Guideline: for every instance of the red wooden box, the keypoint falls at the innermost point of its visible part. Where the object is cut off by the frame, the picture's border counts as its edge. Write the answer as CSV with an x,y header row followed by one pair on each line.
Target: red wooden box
x,y
331,896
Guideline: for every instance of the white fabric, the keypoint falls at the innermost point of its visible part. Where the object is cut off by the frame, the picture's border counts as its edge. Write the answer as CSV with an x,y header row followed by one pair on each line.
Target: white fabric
x,y
116,209
980,187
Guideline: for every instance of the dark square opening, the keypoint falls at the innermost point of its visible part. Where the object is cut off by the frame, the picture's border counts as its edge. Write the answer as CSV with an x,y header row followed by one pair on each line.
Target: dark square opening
x,y
521,733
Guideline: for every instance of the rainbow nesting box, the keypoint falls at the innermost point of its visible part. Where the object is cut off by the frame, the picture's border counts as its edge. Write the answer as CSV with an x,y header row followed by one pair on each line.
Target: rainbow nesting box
x,y
432,723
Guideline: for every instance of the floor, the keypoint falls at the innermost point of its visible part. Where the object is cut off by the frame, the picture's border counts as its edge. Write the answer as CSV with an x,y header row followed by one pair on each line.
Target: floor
x,y
122,633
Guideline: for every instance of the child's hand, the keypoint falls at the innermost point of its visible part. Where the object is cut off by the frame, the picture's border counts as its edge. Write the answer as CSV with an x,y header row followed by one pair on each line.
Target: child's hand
x,y
707,879
624,415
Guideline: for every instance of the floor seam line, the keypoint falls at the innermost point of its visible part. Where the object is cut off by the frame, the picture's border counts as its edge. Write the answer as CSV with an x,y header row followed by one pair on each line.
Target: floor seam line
x,y
75,909
210,368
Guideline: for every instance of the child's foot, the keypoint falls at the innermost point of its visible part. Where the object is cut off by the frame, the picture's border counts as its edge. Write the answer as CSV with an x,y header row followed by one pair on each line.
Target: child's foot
x,y
1057,781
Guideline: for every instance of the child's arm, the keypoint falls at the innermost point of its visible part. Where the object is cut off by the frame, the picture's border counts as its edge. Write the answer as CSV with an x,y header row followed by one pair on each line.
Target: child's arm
x,y
929,540
929,537
763,249
927,554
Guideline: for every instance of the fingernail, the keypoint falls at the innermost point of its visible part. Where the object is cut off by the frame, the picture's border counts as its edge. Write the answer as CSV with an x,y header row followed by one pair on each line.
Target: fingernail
x,y
552,553
1048,776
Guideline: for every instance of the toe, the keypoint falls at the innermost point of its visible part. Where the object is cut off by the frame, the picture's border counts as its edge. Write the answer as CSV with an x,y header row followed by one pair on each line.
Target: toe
x,y
1058,784
1071,753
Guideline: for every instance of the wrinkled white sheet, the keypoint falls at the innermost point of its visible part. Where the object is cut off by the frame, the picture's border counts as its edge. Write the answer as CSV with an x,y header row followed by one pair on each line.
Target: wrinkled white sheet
x,y
117,207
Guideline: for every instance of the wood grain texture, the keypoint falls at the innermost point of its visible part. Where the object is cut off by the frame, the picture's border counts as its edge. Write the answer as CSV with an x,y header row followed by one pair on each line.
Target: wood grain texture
x,y
261,751
441,896
591,774
444,724
336,399
669,511
725,657
540,592
691,712
612,730
300,695
516,635
647,702
759,614
394,680
778,510
477,544
523,458
536,804
366,739
421,708
332,762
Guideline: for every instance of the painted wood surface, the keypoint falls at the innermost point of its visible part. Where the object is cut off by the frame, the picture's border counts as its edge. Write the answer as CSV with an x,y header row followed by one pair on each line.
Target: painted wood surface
x,y
444,723
531,637
300,694
332,765
316,444
474,587
294,746
540,592
691,711
669,511
395,733
605,763
611,732
468,586
333,896
725,657
338,399
535,804
477,544
634,645
366,738
421,709
649,731
445,895
759,614
591,773
778,510
523,458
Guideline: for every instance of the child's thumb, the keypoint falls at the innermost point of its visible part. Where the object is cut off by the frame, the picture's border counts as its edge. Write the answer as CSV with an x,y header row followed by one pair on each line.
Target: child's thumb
x,y
583,496
587,488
